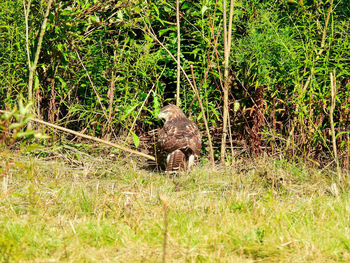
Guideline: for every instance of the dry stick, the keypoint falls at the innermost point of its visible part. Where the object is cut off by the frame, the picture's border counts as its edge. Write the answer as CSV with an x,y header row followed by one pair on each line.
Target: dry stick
x,y
110,95
126,149
211,154
348,157
229,36
331,112
227,50
230,134
229,39
178,53
204,117
224,114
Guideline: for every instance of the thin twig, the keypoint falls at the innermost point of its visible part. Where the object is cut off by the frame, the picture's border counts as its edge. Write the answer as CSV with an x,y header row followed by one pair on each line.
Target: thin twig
x,y
331,112
230,136
26,16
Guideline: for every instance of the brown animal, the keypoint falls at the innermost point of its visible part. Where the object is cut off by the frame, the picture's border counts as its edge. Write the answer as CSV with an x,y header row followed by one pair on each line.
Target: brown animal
x,y
179,141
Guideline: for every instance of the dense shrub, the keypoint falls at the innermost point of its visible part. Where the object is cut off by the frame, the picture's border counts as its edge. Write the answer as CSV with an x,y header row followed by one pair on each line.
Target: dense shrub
x,y
282,55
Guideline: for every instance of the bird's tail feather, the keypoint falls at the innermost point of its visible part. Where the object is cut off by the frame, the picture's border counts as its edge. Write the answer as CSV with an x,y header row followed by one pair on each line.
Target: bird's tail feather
x,y
176,161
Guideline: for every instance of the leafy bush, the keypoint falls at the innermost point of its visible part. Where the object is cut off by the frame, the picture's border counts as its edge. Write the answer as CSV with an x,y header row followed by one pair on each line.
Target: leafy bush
x,y
102,72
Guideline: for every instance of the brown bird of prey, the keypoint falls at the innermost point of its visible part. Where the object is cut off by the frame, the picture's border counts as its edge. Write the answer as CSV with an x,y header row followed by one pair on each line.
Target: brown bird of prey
x,y
179,142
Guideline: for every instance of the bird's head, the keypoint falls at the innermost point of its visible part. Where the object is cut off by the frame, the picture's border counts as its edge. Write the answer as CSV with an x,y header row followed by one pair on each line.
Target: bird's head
x,y
170,112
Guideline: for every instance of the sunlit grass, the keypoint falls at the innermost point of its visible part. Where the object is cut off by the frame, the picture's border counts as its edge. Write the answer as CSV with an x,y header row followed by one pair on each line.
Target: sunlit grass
x,y
102,210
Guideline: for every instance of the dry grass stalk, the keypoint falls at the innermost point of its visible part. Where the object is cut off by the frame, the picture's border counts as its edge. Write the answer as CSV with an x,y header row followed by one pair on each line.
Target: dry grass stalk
x,y
165,234
331,112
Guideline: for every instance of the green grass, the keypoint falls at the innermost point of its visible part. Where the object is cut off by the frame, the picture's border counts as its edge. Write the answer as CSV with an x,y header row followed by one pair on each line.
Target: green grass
x,y
100,210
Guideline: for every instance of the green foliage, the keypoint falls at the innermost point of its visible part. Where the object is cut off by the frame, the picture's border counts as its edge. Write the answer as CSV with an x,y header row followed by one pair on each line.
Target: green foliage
x,y
276,51
12,55
14,126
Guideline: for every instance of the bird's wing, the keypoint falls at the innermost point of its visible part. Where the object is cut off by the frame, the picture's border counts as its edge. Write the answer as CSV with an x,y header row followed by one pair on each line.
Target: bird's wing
x,y
182,135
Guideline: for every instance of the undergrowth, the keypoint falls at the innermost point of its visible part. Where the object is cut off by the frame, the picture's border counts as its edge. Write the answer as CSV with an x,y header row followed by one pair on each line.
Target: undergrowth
x,y
81,208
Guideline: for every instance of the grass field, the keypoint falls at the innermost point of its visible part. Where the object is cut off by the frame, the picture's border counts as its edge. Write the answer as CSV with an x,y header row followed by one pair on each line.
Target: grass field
x,y
95,209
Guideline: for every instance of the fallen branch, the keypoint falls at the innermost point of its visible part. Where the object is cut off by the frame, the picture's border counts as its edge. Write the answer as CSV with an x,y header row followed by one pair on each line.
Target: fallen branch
x,y
126,149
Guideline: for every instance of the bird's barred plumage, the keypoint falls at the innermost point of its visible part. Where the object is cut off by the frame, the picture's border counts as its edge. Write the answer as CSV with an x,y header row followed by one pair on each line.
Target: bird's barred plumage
x,y
179,140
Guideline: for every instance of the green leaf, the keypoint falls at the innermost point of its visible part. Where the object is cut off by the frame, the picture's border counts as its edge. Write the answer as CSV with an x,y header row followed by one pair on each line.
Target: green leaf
x,y
204,8
156,105
120,15
128,112
236,106
95,19
156,9
36,83
16,125
163,31
24,134
136,139
148,38
7,115
341,133
41,136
